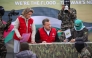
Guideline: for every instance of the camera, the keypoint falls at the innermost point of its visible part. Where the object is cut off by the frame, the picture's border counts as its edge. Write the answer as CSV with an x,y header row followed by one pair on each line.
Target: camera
x,y
67,2
67,5
13,12
66,9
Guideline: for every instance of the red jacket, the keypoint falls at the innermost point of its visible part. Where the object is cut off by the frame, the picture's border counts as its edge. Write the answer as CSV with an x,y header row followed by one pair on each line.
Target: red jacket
x,y
45,37
23,28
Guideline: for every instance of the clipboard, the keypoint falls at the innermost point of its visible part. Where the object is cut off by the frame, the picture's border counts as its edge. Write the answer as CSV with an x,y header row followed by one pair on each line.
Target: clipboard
x,y
25,37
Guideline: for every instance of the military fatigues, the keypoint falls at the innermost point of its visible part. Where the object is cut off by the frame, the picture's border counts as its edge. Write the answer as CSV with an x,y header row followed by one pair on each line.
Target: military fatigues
x,y
3,27
83,34
84,53
67,19
62,37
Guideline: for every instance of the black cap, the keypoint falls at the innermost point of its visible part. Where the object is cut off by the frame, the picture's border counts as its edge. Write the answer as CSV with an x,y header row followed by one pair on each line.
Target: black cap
x,y
67,2
2,11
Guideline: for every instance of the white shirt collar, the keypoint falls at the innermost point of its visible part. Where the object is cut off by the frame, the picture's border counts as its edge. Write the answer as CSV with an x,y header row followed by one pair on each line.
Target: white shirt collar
x,y
48,32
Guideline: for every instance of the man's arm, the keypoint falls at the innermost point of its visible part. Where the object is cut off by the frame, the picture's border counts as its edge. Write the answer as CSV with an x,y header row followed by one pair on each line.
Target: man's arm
x,y
73,13
56,38
8,24
73,35
37,37
84,37
60,15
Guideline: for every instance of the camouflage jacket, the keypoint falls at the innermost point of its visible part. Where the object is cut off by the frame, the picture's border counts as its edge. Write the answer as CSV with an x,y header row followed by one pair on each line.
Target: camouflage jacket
x,y
67,16
4,27
84,53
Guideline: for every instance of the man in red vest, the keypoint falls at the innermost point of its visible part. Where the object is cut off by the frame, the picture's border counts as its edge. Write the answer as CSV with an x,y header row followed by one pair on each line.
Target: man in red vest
x,y
24,24
46,34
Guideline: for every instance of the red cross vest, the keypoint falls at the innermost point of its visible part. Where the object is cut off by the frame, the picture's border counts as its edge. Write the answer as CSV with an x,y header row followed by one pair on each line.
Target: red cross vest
x,y
23,28
45,37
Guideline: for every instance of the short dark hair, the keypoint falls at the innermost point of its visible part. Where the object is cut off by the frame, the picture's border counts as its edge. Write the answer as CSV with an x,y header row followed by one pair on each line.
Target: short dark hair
x,y
24,46
45,20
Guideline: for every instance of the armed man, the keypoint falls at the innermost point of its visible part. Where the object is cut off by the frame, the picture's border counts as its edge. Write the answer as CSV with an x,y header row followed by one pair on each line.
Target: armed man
x,y
3,27
81,48
67,15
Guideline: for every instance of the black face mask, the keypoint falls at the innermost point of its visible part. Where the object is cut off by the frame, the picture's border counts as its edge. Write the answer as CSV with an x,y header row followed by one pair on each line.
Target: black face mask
x,y
79,46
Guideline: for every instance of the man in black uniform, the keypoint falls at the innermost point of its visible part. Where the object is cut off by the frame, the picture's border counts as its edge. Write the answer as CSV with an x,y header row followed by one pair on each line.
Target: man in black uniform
x,y
83,51
3,27
80,32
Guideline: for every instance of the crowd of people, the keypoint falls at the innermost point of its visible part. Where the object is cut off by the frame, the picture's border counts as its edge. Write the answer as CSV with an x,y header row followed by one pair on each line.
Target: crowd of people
x,y
24,24
47,34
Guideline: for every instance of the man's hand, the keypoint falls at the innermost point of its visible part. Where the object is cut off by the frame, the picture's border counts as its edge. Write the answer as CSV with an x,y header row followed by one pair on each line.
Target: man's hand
x,y
66,40
33,42
70,11
72,40
43,41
